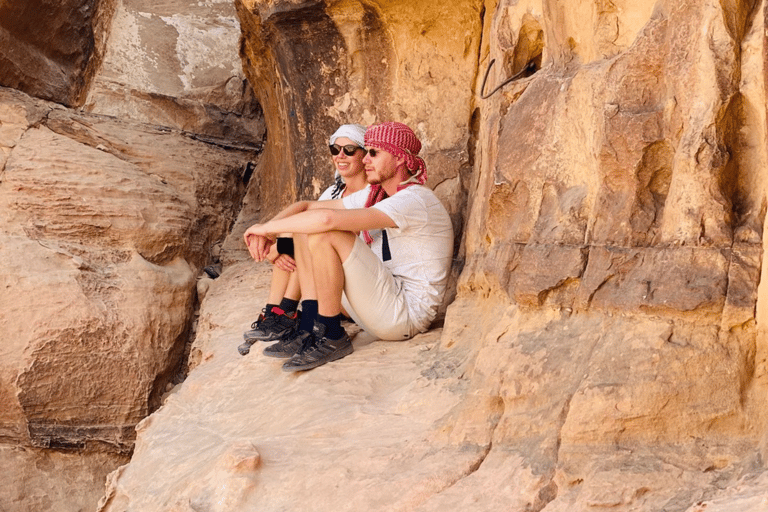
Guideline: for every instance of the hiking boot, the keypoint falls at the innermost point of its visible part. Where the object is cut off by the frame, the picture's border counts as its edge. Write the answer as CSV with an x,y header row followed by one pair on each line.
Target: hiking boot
x,y
270,326
292,344
323,350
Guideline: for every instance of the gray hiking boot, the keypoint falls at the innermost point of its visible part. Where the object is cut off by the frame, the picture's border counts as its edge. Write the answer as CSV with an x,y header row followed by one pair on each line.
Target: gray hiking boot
x,y
289,346
323,350
270,326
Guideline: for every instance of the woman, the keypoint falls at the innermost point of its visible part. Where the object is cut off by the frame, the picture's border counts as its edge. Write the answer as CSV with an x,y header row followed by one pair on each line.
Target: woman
x,y
280,315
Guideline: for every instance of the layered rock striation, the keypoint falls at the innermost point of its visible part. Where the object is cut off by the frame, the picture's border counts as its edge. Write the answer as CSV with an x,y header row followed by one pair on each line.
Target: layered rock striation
x,y
109,213
105,227
104,233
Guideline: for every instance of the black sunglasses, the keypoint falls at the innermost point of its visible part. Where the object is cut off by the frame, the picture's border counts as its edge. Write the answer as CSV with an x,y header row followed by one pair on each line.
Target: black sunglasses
x,y
371,151
349,149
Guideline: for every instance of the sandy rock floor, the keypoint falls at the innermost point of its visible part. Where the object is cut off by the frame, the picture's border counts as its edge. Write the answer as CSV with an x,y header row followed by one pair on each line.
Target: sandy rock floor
x,y
240,433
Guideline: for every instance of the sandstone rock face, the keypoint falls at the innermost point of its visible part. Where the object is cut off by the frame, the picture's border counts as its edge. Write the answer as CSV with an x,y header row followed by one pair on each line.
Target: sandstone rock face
x,y
316,65
106,223
51,48
105,226
606,349
175,63
625,196
55,480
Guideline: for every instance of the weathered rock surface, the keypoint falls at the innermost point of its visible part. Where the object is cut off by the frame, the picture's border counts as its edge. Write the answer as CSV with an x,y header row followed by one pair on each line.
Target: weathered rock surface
x,y
51,48
105,225
316,65
369,417
430,424
174,63
35,479
606,348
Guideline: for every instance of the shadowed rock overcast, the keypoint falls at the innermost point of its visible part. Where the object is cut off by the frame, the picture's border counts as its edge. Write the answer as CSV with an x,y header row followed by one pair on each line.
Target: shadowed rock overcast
x,y
604,342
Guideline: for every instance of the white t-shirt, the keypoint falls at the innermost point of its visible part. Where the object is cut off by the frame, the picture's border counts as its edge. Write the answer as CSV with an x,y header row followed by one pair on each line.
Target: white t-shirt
x,y
420,247
333,192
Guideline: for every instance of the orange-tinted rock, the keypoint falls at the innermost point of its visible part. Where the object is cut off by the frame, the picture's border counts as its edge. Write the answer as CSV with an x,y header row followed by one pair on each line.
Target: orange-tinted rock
x,y
50,49
607,346
105,225
315,66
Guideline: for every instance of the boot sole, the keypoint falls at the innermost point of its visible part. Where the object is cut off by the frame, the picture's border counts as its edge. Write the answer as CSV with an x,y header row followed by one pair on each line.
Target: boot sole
x,y
265,339
279,355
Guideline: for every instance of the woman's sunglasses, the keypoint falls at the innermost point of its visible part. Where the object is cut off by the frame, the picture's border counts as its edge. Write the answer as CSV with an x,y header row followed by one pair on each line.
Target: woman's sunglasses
x,y
349,149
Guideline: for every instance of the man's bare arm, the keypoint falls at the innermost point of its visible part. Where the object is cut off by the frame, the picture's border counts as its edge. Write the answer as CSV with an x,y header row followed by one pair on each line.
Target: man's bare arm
x,y
321,220
302,206
307,217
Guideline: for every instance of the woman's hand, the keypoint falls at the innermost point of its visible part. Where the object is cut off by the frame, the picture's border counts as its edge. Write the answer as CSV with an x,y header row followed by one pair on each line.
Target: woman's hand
x,y
259,241
285,262
282,261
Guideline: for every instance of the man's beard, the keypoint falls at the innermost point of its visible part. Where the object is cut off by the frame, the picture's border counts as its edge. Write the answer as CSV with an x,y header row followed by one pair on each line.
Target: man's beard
x,y
377,178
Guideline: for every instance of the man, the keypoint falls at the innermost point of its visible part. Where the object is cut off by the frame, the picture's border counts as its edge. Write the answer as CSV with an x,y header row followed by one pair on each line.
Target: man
x,y
392,283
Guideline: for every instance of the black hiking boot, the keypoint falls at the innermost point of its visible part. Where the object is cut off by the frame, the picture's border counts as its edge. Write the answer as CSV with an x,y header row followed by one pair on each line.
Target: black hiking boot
x,y
292,344
271,325
323,350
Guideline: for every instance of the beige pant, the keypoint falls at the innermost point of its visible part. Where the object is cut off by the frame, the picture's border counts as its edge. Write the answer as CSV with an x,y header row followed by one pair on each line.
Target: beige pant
x,y
373,297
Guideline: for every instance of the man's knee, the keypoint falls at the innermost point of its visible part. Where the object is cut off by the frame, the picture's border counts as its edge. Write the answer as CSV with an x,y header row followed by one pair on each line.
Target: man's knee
x,y
341,241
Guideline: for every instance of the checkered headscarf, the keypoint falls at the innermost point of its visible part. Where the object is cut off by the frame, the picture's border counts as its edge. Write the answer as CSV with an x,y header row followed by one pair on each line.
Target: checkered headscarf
x,y
399,140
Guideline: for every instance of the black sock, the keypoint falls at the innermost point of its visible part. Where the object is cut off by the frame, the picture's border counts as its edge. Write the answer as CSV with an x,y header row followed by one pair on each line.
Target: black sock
x,y
289,305
333,328
308,315
268,308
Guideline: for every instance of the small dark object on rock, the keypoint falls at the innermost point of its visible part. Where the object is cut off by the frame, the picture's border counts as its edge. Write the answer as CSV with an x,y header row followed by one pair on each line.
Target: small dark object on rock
x,y
213,271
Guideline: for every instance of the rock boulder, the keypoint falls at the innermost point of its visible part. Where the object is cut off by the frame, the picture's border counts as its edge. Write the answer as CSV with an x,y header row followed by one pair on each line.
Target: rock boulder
x,y
105,227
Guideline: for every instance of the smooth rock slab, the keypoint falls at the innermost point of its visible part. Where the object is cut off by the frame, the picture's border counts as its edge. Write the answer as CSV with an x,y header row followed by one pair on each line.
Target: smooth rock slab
x,y
240,434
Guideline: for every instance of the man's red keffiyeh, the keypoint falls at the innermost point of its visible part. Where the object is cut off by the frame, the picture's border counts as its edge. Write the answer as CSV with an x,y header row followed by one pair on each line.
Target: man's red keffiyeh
x,y
399,140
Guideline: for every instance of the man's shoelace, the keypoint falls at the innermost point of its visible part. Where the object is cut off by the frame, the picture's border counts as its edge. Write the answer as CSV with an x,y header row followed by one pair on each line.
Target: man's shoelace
x,y
306,344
